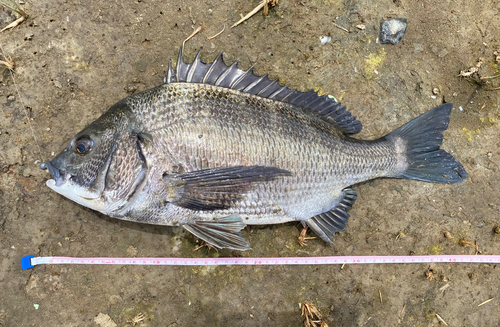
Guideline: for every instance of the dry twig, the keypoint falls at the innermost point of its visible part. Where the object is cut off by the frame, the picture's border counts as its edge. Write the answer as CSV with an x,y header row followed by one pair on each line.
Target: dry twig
x,y
429,274
15,7
264,4
302,237
205,244
212,37
442,289
467,243
137,319
309,311
342,28
490,77
192,34
486,301
14,23
472,71
441,319
9,63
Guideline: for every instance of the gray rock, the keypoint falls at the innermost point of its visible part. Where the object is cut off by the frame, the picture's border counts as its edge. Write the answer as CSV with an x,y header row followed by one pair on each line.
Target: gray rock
x,y
392,31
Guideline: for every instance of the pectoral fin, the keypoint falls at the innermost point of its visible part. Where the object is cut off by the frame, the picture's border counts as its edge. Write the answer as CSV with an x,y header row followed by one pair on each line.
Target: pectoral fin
x,y
221,233
326,224
217,188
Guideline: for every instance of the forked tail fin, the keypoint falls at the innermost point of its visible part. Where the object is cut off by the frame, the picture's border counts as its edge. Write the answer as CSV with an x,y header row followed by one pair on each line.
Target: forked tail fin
x,y
422,138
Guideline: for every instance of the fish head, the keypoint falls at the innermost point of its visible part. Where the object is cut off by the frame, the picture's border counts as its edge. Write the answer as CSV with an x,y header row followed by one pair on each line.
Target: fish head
x,y
101,166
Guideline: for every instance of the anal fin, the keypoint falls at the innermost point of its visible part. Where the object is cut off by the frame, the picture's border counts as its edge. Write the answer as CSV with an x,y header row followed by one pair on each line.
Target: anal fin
x,y
326,224
221,233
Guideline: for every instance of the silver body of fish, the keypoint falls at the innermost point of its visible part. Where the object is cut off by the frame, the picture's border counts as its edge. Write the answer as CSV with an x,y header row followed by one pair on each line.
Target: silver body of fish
x,y
216,148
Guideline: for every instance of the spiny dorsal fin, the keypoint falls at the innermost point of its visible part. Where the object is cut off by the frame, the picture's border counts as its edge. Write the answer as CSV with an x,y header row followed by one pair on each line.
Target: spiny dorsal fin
x,y
219,74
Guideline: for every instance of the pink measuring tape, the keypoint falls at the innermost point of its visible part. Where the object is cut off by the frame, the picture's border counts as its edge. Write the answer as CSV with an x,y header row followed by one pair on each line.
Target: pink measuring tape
x,y
30,261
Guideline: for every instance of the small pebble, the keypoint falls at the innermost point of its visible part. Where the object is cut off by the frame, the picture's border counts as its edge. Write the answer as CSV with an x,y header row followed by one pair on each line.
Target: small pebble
x,y
435,91
392,31
497,230
325,39
447,235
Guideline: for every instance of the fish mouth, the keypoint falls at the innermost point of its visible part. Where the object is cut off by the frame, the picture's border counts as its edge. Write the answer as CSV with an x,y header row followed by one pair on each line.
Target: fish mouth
x,y
59,176
63,183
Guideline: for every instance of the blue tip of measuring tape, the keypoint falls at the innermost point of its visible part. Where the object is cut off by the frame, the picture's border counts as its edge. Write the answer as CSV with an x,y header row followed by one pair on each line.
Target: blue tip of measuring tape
x,y
26,262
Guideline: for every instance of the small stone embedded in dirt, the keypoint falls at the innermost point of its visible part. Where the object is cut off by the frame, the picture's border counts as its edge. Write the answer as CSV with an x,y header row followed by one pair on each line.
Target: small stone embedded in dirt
x,y
104,320
325,39
132,251
392,31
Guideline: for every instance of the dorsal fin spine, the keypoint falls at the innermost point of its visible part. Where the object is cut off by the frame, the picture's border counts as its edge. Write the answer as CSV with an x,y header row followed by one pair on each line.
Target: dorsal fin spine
x,y
291,93
227,72
193,67
210,70
267,87
179,64
248,71
251,85
169,73
278,91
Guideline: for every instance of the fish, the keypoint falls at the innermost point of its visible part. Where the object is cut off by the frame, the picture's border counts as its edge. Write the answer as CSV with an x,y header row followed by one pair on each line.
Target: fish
x,y
216,148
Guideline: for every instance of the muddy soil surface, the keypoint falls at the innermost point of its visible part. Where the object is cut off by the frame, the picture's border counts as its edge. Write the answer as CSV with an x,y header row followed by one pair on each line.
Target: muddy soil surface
x,y
73,61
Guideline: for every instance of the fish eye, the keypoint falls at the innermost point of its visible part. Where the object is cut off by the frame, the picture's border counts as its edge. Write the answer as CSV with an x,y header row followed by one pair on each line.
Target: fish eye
x,y
83,145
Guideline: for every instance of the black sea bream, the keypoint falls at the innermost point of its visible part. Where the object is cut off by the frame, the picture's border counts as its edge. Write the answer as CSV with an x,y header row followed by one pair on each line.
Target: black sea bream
x,y
216,148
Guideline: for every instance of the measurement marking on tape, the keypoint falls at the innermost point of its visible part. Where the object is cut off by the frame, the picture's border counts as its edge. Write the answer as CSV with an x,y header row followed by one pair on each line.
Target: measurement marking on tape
x,y
30,261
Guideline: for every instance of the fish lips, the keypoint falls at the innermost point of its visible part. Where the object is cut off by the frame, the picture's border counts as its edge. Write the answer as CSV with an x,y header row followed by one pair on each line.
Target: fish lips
x,y
60,177
63,183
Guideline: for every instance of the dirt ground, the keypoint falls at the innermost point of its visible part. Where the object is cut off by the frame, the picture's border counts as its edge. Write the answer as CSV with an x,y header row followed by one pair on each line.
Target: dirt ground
x,y
74,61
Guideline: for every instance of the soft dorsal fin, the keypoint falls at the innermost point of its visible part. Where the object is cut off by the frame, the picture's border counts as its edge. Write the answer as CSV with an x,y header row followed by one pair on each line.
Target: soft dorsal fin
x,y
219,74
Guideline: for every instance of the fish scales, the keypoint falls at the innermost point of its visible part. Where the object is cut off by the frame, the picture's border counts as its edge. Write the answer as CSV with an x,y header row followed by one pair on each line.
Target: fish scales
x,y
216,148
214,121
